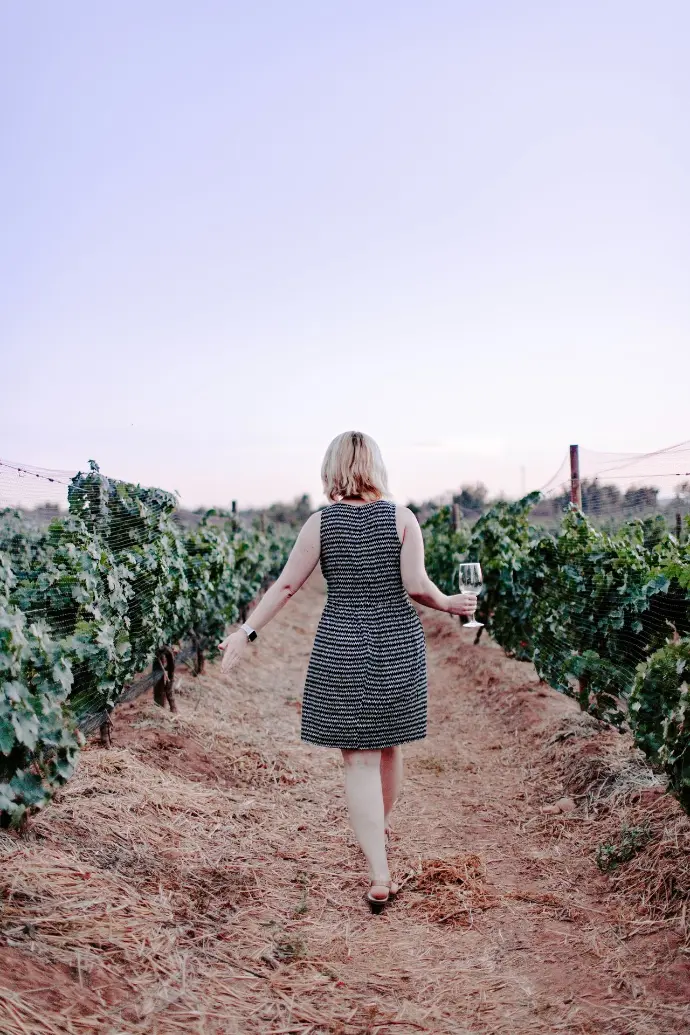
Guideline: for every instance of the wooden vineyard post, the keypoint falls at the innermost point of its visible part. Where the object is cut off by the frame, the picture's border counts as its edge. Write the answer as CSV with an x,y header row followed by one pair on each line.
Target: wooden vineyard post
x,y
199,660
107,732
679,526
164,674
575,487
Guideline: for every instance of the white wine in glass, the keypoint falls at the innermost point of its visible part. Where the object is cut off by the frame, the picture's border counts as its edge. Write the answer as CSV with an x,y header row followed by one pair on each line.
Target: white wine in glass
x,y
470,576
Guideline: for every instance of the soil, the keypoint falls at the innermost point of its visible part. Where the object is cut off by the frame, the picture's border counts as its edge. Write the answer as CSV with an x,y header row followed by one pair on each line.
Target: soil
x,y
504,924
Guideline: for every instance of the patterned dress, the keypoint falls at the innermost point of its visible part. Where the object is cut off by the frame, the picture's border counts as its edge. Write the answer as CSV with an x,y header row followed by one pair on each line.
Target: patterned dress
x,y
366,684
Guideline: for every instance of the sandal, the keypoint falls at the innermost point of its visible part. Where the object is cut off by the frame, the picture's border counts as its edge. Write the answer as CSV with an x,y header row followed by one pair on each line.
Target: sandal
x,y
377,904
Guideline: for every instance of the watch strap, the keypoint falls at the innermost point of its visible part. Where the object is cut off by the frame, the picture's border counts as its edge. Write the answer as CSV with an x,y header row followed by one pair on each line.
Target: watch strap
x,y
250,633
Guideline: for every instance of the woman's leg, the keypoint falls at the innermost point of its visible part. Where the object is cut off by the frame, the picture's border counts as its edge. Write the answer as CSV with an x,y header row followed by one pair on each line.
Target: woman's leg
x,y
365,803
391,779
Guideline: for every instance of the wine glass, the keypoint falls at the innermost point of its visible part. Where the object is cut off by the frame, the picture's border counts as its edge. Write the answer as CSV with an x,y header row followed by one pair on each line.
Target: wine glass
x,y
470,576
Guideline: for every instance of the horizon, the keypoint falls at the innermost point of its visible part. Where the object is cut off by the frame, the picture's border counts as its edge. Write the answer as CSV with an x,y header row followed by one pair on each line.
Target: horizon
x,y
28,488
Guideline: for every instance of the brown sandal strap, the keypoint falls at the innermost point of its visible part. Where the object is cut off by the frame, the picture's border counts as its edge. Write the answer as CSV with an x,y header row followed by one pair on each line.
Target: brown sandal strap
x,y
390,884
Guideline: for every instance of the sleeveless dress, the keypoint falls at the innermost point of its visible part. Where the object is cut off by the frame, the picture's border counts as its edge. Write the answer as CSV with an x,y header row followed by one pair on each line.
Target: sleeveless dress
x,y
366,684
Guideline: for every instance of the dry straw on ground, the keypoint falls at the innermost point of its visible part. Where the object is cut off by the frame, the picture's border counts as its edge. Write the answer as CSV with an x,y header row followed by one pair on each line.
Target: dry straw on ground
x,y
450,891
200,877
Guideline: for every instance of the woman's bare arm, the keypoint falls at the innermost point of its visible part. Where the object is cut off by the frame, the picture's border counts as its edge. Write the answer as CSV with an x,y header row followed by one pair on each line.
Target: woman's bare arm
x,y
415,579
303,558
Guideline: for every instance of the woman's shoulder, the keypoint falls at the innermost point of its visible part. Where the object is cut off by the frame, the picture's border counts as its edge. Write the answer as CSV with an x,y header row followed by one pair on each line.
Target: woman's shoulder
x,y
404,519
310,530
404,512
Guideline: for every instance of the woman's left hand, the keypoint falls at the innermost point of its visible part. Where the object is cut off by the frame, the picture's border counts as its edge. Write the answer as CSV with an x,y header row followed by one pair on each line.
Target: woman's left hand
x,y
233,647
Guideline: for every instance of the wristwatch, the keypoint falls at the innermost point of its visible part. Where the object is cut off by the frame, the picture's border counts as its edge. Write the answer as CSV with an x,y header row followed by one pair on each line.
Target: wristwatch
x,y
251,633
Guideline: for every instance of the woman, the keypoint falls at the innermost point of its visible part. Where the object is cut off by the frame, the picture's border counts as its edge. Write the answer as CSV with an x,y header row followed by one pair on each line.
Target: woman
x,y
366,686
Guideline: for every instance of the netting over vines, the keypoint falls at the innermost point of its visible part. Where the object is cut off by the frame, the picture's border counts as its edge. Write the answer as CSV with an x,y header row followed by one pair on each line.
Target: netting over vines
x,y
602,610
636,483
92,597
103,581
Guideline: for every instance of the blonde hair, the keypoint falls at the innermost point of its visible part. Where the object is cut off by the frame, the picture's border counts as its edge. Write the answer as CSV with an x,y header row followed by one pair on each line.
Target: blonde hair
x,y
353,466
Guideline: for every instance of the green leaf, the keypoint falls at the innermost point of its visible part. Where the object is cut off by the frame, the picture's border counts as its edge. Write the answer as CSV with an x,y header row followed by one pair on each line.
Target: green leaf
x,y
7,737
26,727
28,788
7,799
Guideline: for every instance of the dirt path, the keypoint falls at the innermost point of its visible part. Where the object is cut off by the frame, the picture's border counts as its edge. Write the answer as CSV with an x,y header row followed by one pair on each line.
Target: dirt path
x,y
201,878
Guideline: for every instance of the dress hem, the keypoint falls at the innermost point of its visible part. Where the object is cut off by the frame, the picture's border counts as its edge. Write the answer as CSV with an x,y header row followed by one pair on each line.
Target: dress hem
x,y
364,747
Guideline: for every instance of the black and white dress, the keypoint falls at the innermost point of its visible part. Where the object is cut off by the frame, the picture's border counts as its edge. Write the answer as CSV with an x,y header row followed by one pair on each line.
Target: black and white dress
x,y
366,684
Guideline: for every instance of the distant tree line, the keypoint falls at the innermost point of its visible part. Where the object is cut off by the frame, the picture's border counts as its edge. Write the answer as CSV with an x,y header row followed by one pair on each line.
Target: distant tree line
x,y
606,500
599,500
472,500
282,515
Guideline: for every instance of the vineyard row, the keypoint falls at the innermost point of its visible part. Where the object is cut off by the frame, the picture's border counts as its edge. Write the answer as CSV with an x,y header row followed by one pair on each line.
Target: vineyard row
x,y
110,589
96,598
603,615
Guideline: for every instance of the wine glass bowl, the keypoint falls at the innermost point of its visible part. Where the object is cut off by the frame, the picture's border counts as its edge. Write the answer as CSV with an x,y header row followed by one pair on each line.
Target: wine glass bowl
x,y
471,581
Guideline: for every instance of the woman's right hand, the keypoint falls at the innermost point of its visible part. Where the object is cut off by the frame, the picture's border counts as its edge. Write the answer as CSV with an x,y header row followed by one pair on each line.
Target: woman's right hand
x,y
233,647
462,604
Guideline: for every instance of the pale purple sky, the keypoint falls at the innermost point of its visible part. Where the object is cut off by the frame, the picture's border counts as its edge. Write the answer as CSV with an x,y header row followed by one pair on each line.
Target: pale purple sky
x,y
232,230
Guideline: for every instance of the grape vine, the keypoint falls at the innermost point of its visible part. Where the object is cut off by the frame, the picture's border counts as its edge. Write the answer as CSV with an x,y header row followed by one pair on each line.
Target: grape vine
x,y
604,615
89,603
